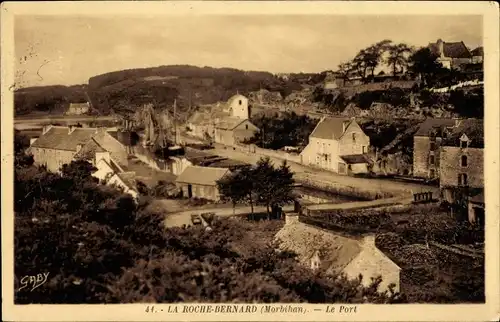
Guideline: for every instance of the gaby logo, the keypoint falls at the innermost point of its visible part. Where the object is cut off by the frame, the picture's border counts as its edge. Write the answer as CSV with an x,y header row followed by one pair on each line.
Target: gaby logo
x,y
33,281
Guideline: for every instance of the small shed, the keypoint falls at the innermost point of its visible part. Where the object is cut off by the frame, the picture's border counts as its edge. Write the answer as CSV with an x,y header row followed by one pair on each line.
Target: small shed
x,y
201,182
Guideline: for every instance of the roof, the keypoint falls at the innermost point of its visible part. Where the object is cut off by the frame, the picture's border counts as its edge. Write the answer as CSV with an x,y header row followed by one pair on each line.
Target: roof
x,y
478,198
88,151
452,49
479,51
79,105
59,138
432,123
229,123
206,176
336,252
355,158
330,128
128,178
473,128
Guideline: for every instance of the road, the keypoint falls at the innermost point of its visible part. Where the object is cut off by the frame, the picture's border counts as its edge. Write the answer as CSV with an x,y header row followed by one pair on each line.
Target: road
x,y
322,177
184,217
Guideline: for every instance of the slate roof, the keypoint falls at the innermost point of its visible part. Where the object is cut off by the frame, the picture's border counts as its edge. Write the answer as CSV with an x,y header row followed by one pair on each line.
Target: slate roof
x,y
228,123
59,138
479,51
336,252
473,128
206,176
89,150
330,128
355,158
431,123
452,49
128,178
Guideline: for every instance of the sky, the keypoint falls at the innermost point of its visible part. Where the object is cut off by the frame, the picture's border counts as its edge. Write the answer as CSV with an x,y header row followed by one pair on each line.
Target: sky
x,y
69,50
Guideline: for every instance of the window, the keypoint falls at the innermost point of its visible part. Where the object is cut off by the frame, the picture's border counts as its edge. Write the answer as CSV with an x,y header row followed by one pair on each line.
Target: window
x,y
240,102
431,159
363,149
433,146
464,144
462,179
432,173
464,161
246,126
354,137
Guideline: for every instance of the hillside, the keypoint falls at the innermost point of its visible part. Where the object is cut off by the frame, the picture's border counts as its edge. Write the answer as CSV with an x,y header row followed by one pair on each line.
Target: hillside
x,y
124,91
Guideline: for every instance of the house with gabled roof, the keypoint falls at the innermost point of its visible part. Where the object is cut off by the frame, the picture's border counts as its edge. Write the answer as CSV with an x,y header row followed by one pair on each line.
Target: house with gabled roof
x,y
201,182
477,55
60,145
232,130
451,54
323,250
332,138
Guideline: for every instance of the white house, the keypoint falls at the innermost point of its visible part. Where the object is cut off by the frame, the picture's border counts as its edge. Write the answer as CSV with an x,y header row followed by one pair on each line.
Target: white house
x,y
334,143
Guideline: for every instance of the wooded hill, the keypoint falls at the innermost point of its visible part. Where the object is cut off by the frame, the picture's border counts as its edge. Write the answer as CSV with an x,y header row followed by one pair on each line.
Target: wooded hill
x,y
123,91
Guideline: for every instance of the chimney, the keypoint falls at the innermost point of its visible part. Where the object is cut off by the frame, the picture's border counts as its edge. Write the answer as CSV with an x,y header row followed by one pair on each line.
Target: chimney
x,y
440,45
46,128
369,241
291,218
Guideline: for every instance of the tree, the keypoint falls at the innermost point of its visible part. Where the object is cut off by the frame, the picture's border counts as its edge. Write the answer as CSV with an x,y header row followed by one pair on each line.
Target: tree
x,y
238,187
369,58
424,63
398,56
273,186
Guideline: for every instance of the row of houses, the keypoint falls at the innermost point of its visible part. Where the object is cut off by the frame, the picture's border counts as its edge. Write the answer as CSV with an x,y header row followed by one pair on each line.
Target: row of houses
x,y
59,145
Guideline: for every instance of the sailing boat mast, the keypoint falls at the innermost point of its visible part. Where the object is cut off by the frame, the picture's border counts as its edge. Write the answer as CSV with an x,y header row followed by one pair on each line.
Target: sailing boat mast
x,y
175,122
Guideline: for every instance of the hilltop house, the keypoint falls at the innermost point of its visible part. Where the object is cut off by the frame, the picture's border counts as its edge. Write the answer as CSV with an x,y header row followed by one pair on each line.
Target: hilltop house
x,y
226,123
78,108
461,166
335,143
426,147
200,182
477,55
61,145
333,254
451,54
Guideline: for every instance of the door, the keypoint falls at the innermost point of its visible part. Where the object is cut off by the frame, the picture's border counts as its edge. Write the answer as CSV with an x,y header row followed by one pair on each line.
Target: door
x,y
190,191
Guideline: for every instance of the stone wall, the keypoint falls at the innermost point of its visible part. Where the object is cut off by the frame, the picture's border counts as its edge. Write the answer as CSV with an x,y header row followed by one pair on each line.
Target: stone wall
x,y
451,166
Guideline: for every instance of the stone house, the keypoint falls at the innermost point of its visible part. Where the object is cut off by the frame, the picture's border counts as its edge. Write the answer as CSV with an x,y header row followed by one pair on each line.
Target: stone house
x,y
201,182
451,54
232,130
333,138
78,108
462,166
333,254
426,147
61,145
